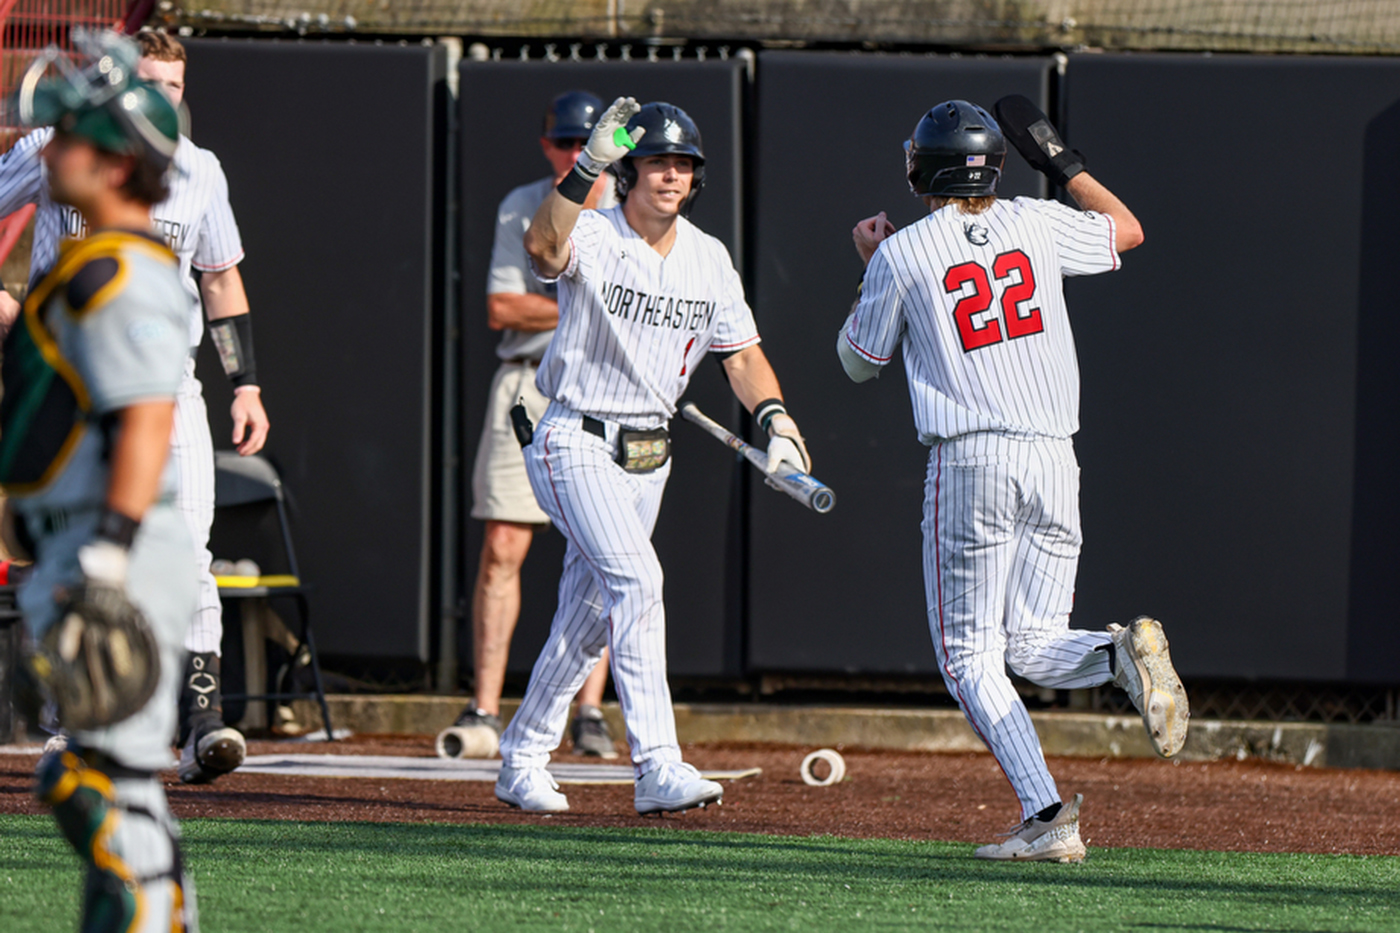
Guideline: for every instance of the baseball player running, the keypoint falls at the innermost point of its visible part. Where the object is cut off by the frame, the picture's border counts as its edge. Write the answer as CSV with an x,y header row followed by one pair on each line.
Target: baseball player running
x,y
643,296
524,310
197,223
973,294
91,372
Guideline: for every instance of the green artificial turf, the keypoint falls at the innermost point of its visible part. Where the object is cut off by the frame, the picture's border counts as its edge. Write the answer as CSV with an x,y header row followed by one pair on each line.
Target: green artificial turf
x,y
267,877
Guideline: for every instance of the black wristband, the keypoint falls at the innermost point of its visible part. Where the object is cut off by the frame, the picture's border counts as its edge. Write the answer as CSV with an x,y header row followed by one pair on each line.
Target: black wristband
x,y
768,409
118,528
576,185
233,338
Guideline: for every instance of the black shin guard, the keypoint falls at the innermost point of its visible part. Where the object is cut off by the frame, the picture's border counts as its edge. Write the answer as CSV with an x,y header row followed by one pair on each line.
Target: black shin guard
x,y
201,696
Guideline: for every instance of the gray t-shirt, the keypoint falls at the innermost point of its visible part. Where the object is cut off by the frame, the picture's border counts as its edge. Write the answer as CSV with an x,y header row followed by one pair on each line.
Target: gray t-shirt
x,y
510,265
129,347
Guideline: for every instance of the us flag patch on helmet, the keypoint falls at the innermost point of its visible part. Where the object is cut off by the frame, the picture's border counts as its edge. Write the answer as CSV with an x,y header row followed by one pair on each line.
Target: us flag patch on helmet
x,y
977,160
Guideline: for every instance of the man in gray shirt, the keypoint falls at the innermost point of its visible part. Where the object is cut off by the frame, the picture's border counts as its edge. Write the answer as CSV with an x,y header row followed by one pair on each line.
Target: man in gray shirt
x,y
524,310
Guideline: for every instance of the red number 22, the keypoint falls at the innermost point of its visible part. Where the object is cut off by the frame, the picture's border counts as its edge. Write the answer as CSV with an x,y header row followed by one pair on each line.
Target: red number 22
x,y
1013,269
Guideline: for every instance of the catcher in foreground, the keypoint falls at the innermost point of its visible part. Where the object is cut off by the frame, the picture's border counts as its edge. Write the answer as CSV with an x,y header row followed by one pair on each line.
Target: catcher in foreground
x,y
91,370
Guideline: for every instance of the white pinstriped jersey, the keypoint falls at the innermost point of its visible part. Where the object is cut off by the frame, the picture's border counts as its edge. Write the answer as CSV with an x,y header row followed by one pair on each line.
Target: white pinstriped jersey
x,y
633,325
196,221
978,304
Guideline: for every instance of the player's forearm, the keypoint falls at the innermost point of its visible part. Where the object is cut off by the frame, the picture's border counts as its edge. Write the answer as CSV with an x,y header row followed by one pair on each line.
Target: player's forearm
x,y
751,377
547,240
138,456
521,311
223,294
1092,196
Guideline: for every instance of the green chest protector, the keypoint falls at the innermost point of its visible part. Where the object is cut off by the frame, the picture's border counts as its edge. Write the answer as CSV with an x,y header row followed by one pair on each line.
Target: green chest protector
x,y
45,409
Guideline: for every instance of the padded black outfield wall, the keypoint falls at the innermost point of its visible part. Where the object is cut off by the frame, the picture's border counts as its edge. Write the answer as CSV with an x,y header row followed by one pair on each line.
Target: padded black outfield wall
x,y
329,155
502,106
1239,446
843,592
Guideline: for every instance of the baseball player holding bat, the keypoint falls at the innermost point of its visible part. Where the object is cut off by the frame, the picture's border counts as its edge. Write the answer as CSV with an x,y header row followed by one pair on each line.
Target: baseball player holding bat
x,y
91,373
972,293
525,311
643,296
198,225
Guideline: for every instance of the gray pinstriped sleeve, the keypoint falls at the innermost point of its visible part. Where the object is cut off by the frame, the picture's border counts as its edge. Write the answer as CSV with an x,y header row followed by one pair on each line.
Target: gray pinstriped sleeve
x,y
21,174
219,247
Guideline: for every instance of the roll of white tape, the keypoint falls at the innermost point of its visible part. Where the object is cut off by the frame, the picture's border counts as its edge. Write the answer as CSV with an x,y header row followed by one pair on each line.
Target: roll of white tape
x,y
834,761
455,742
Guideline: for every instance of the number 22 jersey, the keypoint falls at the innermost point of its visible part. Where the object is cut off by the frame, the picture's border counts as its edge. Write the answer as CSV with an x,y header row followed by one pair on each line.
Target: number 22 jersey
x,y
977,302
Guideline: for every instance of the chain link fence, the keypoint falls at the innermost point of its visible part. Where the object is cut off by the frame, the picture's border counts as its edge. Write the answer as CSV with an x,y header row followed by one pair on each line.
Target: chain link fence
x,y
1328,26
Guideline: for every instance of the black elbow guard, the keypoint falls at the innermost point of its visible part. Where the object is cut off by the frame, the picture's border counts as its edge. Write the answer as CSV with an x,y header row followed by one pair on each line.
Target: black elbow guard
x,y
233,338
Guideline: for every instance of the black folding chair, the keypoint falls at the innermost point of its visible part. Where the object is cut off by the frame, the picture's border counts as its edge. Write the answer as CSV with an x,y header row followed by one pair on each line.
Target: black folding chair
x,y
250,520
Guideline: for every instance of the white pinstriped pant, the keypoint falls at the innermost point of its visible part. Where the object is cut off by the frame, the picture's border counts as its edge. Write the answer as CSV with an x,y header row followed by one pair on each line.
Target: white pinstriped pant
x,y
609,595
192,452
1001,549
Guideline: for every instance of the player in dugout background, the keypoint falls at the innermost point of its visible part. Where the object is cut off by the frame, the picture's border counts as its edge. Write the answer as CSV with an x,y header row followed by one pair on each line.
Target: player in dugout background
x,y
973,296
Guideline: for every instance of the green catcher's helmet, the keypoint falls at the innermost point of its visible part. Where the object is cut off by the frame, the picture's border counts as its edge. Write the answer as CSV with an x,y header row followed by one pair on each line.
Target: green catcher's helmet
x,y
101,100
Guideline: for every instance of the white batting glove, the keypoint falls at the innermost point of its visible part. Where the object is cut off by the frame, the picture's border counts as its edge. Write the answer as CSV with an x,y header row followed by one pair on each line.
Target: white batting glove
x,y
785,445
610,140
104,562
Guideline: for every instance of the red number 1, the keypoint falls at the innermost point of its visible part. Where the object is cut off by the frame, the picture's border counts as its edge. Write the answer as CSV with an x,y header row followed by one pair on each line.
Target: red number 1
x,y
1013,267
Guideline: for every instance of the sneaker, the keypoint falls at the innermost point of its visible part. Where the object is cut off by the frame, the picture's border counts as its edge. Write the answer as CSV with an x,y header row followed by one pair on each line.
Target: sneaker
x,y
673,787
531,789
472,717
1035,840
1145,671
212,754
475,734
590,734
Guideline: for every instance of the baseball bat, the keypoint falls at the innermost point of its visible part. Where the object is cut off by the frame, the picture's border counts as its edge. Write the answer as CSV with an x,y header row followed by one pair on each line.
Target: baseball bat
x,y
806,489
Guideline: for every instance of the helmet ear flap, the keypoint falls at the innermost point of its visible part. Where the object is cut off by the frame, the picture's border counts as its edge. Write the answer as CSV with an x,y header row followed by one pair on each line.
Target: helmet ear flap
x,y
625,174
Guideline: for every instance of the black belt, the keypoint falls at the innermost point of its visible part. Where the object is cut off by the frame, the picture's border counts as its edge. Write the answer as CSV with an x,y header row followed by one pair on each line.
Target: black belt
x,y
595,427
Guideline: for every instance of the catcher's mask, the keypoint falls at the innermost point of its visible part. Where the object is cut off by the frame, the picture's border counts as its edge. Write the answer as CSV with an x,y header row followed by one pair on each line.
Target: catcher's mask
x,y
100,98
669,131
957,151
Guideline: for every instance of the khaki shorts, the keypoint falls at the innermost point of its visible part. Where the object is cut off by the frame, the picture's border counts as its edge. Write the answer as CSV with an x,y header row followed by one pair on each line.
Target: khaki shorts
x,y
500,488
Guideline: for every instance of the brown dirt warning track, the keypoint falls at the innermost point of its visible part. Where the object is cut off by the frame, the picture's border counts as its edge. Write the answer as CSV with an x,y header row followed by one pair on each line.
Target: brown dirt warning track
x,y
1223,805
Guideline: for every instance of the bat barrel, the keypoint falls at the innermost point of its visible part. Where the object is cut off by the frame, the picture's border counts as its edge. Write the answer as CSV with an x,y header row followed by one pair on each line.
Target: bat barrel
x,y
823,500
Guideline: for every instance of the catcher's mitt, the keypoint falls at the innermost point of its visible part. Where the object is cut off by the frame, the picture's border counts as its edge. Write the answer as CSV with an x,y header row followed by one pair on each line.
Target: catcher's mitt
x,y
100,660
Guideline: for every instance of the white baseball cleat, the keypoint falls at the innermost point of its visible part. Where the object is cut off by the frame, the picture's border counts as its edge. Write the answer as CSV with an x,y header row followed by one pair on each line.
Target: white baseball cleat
x,y
1056,840
674,786
1145,671
532,789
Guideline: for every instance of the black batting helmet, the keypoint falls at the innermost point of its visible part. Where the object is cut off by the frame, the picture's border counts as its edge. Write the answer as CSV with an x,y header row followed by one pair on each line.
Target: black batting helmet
x,y
957,151
669,130
572,115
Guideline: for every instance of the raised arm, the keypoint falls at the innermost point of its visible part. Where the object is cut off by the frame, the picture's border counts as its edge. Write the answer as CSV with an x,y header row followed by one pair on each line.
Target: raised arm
x,y
547,240
1033,135
1090,195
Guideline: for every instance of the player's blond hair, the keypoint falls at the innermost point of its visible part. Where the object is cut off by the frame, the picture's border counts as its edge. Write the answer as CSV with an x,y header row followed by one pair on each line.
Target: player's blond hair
x,y
157,46
965,205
